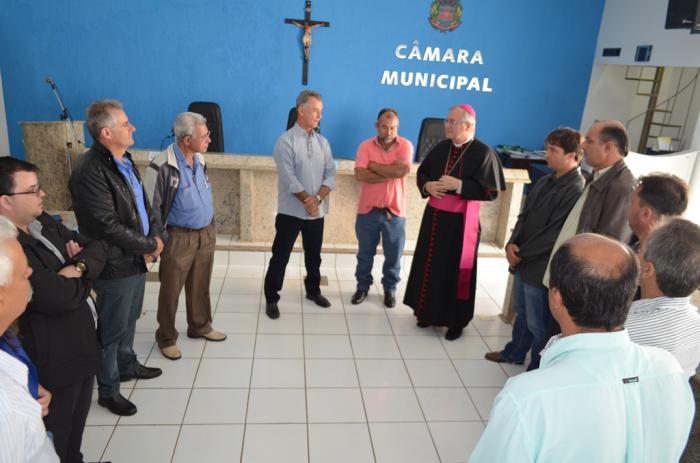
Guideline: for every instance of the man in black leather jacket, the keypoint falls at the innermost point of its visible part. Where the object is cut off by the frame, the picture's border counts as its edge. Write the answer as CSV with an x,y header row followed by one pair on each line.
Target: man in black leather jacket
x,y
110,205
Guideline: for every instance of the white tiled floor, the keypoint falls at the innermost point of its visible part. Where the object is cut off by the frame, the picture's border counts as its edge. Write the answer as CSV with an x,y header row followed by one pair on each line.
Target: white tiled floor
x,y
345,384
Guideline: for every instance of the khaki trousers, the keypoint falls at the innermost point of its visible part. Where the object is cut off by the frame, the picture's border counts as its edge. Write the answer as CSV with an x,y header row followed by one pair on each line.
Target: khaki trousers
x,y
187,260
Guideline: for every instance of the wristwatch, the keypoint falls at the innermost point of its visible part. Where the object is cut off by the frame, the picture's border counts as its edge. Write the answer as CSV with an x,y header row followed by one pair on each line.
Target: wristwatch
x,y
319,199
81,266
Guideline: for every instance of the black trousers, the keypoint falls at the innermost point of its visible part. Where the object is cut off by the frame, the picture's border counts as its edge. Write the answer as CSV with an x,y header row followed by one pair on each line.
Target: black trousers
x,y
68,412
287,229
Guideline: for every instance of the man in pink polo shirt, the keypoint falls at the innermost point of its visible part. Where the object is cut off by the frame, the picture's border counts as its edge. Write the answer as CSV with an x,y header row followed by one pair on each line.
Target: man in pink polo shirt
x,y
381,165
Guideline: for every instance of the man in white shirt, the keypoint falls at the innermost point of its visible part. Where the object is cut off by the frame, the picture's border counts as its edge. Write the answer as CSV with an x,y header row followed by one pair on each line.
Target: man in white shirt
x,y
22,433
597,396
670,272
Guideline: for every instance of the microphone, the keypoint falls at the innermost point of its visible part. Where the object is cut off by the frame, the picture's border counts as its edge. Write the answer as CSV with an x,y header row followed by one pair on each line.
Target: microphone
x,y
49,81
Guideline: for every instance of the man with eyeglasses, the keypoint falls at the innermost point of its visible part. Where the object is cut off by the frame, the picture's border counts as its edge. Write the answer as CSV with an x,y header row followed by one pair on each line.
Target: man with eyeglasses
x,y
456,175
305,178
604,204
110,204
182,202
58,329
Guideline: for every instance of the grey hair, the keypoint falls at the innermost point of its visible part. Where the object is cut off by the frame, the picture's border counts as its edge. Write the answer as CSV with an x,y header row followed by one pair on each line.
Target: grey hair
x,y
186,122
468,118
674,250
8,231
304,96
99,116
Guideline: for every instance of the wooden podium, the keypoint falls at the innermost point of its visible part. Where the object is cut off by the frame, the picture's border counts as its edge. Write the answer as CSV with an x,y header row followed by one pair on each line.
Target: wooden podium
x,y
48,145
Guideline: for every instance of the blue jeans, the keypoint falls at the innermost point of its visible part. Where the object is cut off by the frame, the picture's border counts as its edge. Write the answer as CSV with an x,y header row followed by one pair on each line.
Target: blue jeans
x,y
531,306
369,227
118,307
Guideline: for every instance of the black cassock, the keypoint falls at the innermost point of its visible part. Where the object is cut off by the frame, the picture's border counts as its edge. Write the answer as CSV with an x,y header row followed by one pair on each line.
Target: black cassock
x,y
432,285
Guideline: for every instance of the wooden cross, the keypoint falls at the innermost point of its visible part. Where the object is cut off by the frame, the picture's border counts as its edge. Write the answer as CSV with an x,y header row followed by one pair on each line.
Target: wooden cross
x,y
306,24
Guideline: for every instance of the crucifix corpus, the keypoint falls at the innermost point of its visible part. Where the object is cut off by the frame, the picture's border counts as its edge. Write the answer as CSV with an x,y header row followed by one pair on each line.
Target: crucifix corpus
x,y
306,24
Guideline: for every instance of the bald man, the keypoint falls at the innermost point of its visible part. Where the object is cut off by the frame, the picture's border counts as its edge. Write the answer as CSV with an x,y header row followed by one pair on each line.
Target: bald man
x,y
604,204
597,396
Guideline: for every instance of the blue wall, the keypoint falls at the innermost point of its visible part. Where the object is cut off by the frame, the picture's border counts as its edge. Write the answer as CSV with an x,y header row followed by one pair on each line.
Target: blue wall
x,y
156,56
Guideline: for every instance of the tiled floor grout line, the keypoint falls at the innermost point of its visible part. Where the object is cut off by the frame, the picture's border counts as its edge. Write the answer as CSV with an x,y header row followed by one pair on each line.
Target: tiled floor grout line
x,y
196,372
413,386
306,395
357,372
471,399
250,379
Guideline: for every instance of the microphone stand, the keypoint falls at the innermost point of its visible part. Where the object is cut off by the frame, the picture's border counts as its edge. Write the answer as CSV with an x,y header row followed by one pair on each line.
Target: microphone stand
x,y
64,116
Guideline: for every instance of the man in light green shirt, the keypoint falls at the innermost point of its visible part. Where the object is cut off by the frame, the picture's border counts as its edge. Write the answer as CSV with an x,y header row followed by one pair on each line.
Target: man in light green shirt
x,y
597,396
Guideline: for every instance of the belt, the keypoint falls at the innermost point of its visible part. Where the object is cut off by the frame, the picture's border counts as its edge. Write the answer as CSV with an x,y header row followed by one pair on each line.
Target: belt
x,y
175,228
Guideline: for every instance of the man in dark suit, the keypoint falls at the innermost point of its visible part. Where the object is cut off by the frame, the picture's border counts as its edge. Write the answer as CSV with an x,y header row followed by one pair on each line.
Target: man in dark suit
x,y
58,329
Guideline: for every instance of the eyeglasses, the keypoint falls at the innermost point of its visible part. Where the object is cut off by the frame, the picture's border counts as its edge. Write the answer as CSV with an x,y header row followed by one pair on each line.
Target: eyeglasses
x,y
36,192
452,122
206,135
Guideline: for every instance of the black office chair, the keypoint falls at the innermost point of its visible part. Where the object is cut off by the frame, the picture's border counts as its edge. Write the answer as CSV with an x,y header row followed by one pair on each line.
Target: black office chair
x,y
292,118
212,112
432,132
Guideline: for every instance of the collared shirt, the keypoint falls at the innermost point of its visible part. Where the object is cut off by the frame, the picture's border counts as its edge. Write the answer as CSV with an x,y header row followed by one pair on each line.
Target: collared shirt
x,y
669,323
597,397
571,224
11,346
193,206
546,208
304,163
22,432
390,194
127,170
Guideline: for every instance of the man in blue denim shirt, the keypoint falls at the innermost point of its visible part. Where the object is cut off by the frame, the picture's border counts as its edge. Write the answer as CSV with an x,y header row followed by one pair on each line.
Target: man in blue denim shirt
x,y
306,175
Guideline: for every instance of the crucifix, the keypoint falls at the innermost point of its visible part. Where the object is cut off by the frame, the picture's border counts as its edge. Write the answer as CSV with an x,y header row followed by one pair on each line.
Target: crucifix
x,y
306,24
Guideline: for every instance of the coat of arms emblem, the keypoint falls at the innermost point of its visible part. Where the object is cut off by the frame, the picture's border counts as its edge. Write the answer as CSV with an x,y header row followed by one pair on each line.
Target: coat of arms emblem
x,y
445,15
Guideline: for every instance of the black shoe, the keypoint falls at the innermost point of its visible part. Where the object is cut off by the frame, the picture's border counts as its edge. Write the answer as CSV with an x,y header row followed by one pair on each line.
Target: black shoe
x,y
422,324
319,300
272,310
453,333
389,299
119,405
359,296
141,372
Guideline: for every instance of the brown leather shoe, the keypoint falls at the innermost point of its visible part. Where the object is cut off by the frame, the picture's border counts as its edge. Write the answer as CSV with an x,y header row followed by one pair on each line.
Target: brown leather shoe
x,y
495,357
498,358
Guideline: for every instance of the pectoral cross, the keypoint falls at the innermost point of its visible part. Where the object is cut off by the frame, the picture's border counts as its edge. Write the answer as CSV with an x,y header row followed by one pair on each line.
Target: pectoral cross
x,y
306,24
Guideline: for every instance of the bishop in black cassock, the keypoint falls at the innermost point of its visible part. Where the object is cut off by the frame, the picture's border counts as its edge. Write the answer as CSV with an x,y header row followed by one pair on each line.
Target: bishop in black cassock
x,y
457,175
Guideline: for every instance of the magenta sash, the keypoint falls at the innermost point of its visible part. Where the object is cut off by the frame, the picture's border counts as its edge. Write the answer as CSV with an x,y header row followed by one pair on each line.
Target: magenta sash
x,y
470,211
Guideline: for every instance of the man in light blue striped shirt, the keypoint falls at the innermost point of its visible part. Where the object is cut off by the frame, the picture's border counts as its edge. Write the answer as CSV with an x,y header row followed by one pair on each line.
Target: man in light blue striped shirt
x,y
597,396
306,175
